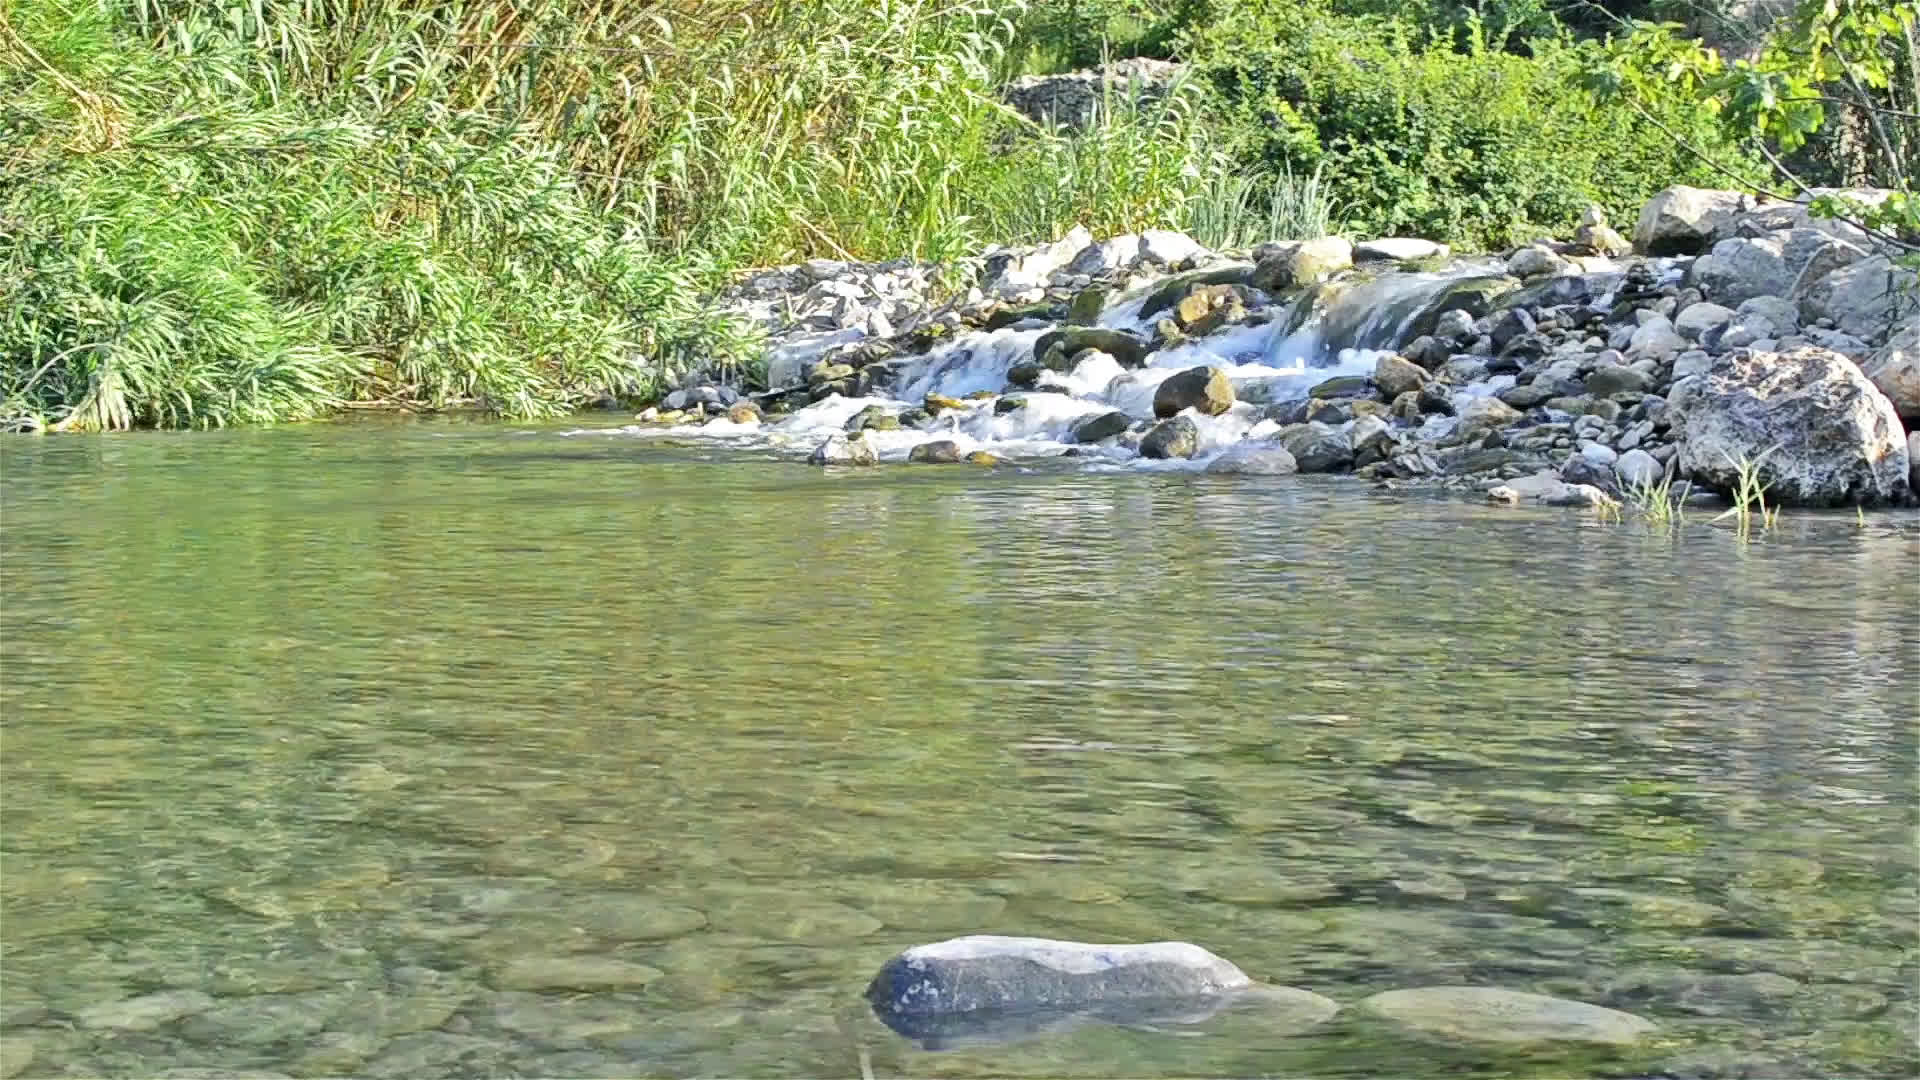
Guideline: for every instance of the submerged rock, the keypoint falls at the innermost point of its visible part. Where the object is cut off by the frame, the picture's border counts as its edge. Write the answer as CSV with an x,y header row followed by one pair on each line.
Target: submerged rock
x,y
1819,432
1255,459
577,972
1178,437
993,973
1487,1014
1203,389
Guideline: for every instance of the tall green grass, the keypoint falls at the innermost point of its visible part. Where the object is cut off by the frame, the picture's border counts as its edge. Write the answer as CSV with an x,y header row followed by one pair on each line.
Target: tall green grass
x,y
263,211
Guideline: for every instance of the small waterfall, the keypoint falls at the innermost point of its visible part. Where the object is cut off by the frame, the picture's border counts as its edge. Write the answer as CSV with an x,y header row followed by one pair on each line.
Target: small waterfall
x,y
1324,331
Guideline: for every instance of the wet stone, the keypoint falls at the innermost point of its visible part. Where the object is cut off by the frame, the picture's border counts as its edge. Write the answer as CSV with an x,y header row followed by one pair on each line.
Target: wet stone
x,y
336,1053
432,1053
1754,996
265,1019
1486,1014
582,972
16,1053
633,918
146,1012
790,918
557,1021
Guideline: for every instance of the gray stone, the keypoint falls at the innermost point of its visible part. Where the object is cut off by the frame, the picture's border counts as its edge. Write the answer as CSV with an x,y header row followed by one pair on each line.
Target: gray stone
x,y
1913,461
1203,389
1741,268
1813,254
1536,261
572,972
1655,339
1583,469
265,1019
144,1013
1317,448
1254,459
1753,996
1685,220
1895,370
1125,347
1486,1014
1867,299
990,973
1103,426
1613,379
1453,325
844,450
1695,320
1821,433
1637,470
1178,437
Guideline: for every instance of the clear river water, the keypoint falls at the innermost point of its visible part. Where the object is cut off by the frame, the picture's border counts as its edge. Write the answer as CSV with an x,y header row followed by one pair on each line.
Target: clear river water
x,y
442,749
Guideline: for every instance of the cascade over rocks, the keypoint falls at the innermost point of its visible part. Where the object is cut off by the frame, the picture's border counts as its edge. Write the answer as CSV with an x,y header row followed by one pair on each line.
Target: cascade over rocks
x,y
1595,376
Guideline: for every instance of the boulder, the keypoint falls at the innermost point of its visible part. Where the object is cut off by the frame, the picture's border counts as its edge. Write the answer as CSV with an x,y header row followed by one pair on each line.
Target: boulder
x,y
1685,220
1316,447
1203,389
1255,459
1131,351
1318,259
987,973
743,412
1485,414
1820,432
1637,469
1868,299
1102,426
1534,261
1398,249
1487,1014
1474,295
1600,239
1591,465
844,450
1395,375
1895,371
1655,339
937,452
1548,488
1175,289
1178,437
1741,268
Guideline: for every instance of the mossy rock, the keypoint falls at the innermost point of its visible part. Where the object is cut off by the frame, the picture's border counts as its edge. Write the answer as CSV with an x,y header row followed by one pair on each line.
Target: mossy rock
x,y
1473,295
939,403
1104,426
981,457
1087,305
1343,386
1007,316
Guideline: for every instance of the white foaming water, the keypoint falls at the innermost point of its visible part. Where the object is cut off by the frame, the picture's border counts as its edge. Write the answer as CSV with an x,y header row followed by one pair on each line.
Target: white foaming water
x,y
1264,366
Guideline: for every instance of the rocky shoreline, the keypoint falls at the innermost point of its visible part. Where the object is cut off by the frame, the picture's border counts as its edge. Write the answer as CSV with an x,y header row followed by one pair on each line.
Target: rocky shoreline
x,y
1726,333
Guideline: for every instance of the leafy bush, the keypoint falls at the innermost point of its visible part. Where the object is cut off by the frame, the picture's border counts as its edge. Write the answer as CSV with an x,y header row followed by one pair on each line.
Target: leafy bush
x,y
1468,145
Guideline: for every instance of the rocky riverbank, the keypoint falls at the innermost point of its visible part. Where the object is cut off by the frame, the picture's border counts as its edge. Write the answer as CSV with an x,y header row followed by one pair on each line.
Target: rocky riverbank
x,y
1725,333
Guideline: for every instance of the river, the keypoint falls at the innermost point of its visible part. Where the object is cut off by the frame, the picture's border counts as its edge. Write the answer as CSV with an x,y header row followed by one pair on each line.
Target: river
x,y
326,747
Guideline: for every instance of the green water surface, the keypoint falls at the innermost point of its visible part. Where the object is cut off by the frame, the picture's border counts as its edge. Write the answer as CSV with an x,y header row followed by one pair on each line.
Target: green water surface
x,y
326,736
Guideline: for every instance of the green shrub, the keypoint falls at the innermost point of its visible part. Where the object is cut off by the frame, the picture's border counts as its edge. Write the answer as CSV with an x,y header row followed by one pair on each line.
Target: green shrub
x,y
1467,145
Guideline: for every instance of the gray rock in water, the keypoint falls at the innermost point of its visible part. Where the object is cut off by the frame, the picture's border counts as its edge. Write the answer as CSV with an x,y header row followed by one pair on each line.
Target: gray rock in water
x,y
1399,249
1103,426
1821,434
1637,470
1317,448
1175,438
1486,1014
1011,974
841,450
937,452
1205,389
146,1012
1255,459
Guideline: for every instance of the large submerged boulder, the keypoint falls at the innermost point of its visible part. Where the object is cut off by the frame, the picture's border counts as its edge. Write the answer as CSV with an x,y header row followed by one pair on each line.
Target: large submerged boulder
x,y
1010,974
1819,431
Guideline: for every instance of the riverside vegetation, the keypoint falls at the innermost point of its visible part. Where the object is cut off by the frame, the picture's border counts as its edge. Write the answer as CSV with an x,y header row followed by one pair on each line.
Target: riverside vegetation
x,y
267,212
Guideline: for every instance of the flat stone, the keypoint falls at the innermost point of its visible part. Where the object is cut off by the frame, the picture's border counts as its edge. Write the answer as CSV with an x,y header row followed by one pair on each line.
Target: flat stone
x,y
634,918
572,973
1399,249
987,972
1254,459
146,1012
1487,1014
265,1019
786,917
